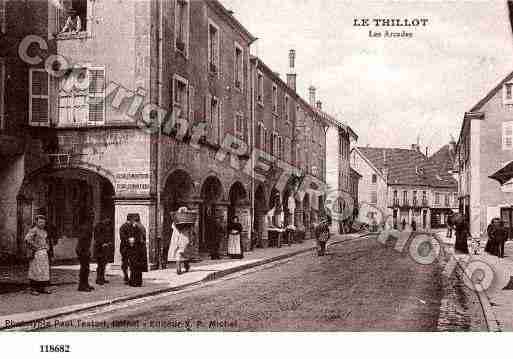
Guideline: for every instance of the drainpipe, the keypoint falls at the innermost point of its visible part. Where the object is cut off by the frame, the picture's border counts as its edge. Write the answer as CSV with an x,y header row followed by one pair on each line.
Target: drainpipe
x,y
158,221
253,115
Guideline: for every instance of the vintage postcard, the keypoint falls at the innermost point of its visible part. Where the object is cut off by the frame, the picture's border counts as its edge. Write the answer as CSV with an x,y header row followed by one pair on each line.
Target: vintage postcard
x,y
255,166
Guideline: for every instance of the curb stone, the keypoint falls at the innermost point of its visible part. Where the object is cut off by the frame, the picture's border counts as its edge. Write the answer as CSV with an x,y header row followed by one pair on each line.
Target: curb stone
x,y
210,277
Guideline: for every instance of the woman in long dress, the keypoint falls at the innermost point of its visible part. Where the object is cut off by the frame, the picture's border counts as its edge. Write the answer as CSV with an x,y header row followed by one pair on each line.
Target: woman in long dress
x,y
181,246
235,250
39,264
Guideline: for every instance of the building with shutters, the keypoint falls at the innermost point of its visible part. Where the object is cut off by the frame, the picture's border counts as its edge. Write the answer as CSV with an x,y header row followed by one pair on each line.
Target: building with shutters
x,y
405,185
20,151
484,156
292,131
145,107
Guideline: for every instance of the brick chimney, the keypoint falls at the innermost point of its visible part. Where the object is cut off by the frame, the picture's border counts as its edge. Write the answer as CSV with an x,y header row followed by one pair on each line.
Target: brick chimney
x,y
311,91
291,76
319,105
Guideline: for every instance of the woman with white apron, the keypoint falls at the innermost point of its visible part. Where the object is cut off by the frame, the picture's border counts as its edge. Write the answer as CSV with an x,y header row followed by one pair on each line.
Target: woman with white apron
x,y
39,264
235,250
181,248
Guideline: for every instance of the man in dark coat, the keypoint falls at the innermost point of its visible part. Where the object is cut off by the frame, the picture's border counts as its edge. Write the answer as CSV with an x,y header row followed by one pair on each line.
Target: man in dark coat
x,y
126,231
462,234
491,243
102,248
501,236
83,251
137,253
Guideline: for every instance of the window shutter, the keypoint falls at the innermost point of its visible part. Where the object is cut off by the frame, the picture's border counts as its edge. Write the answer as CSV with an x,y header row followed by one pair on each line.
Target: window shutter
x,y
2,94
208,116
192,94
507,135
220,121
96,95
3,16
38,99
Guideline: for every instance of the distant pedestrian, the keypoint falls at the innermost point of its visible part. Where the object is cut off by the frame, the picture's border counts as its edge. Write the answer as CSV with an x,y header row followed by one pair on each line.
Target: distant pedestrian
x,y
83,251
39,264
321,232
450,225
501,236
137,253
126,231
413,225
462,235
491,243
404,224
103,239
235,250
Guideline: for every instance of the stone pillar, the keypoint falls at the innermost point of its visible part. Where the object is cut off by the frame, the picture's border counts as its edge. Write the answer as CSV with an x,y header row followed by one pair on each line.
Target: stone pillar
x,y
123,207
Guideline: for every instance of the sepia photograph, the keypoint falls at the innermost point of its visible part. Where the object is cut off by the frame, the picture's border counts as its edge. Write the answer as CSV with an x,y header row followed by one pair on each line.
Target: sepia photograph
x,y
271,166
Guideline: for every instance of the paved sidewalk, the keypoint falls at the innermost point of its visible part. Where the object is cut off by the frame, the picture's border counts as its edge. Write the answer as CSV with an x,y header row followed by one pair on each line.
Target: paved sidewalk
x,y
497,302
21,307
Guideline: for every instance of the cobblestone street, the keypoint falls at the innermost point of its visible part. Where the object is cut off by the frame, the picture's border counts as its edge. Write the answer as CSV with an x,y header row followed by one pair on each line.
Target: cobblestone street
x,y
360,285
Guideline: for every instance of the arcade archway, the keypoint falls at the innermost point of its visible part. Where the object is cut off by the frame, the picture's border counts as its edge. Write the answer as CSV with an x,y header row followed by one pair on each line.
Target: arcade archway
x,y
67,197
212,217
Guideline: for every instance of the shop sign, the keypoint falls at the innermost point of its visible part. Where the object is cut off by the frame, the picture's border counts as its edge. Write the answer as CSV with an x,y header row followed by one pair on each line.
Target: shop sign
x,y
133,182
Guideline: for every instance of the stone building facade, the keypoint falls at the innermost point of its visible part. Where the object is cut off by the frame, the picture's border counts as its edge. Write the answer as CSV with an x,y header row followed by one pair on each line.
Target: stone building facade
x,y
405,186
484,154
147,106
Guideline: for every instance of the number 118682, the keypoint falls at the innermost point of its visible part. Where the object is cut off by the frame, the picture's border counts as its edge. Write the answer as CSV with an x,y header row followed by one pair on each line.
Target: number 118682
x,y
61,348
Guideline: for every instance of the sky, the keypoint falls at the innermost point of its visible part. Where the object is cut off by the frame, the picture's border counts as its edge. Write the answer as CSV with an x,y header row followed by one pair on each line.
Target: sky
x,y
391,91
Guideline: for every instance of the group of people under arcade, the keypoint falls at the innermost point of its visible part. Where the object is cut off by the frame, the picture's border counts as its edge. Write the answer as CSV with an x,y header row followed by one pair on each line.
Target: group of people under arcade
x,y
42,237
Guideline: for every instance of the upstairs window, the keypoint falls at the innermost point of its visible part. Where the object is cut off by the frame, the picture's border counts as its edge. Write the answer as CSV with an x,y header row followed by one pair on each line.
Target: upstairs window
x,y
507,135
405,197
2,94
374,179
260,88
447,200
374,197
261,136
437,198
286,109
238,67
508,93
3,16
81,97
180,98
213,47
75,16
275,99
214,119
182,26
39,89
240,126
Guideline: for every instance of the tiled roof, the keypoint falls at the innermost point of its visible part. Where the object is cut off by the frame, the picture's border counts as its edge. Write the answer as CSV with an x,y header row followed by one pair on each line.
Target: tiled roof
x,y
439,166
411,167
